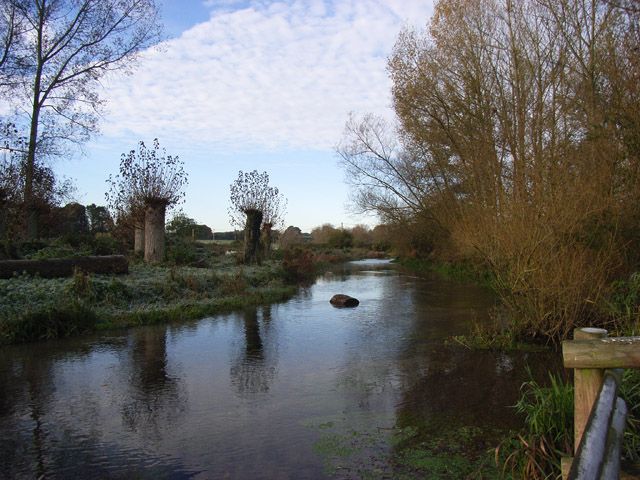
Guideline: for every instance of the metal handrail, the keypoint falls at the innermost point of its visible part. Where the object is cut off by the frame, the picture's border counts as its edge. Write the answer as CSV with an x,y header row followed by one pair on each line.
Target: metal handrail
x,y
599,414
598,456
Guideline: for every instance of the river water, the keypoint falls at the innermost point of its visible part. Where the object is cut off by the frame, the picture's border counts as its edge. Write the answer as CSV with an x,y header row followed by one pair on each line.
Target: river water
x,y
268,393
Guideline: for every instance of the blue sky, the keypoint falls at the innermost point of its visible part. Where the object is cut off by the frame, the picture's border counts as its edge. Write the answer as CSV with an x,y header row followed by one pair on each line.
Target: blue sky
x,y
243,85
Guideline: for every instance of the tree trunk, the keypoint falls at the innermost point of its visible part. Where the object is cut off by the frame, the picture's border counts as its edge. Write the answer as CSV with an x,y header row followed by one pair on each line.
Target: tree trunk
x,y
31,209
138,238
266,240
252,236
154,231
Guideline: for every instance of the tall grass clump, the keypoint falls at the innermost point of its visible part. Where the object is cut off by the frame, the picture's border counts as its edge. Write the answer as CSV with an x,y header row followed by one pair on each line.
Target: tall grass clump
x,y
535,453
623,305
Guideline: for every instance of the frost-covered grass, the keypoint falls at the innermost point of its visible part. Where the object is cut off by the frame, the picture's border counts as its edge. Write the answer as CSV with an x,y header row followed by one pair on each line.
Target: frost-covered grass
x,y
33,308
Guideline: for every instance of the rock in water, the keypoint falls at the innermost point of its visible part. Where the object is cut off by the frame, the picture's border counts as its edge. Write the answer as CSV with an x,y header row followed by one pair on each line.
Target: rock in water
x,y
341,300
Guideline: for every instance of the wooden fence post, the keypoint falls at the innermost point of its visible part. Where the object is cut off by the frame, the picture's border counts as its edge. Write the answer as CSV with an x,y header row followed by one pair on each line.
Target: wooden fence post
x,y
587,383
589,354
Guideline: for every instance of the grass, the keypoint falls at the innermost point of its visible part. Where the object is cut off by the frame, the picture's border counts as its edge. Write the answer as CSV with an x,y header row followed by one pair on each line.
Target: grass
x,y
198,279
536,451
462,271
630,392
34,308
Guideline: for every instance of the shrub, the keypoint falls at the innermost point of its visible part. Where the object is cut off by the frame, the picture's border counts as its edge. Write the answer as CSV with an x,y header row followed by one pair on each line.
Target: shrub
x,y
107,245
53,251
26,249
298,264
340,239
235,284
623,305
82,285
181,252
113,292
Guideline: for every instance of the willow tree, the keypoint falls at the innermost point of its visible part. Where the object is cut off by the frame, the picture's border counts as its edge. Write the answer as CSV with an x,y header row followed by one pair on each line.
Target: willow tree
x,y
150,181
516,133
54,53
254,204
272,219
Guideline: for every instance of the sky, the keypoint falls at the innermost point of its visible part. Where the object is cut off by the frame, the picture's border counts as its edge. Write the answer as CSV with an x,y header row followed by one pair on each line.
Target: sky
x,y
252,85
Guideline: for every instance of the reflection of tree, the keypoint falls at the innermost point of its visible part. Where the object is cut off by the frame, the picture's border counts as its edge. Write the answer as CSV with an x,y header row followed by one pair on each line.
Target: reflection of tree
x,y
251,373
26,383
155,399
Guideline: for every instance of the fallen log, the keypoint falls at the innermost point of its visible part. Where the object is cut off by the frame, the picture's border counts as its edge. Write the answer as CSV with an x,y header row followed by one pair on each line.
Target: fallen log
x,y
341,300
64,267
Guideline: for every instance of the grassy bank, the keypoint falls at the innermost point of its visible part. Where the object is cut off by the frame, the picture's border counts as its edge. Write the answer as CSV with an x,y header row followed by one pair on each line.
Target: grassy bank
x,y
463,271
197,280
38,309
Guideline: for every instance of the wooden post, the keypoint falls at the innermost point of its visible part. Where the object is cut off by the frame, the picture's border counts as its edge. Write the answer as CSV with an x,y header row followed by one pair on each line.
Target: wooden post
x,y
589,354
587,383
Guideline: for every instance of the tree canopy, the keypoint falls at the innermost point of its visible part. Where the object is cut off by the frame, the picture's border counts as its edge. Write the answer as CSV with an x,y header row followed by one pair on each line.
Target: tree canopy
x,y
251,191
53,54
146,175
516,144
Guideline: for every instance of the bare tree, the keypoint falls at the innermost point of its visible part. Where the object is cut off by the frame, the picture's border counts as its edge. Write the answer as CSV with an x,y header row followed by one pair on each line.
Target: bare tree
x,y
10,35
65,48
254,203
149,181
386,178
517,133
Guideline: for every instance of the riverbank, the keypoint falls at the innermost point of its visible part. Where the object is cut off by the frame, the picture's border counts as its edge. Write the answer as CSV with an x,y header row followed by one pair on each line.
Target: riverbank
x,y
35,308
462,271
547,405
368,392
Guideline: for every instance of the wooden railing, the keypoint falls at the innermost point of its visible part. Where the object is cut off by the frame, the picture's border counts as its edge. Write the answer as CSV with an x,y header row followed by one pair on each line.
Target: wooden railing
x,y
599,414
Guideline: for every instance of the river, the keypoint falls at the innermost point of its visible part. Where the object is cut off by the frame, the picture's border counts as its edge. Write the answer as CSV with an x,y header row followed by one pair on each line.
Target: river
x,y
289,391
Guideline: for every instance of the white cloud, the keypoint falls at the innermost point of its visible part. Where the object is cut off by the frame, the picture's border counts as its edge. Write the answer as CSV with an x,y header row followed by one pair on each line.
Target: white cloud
x,y
266,75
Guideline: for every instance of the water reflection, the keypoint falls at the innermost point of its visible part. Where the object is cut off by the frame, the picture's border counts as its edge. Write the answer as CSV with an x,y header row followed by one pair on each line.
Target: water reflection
x,y
234,396
253,369
155,397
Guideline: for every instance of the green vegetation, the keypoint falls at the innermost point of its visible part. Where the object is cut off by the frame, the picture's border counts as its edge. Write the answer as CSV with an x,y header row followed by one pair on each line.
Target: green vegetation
x,y
352,448
547,436
34,308
461,271
197,279
630,391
